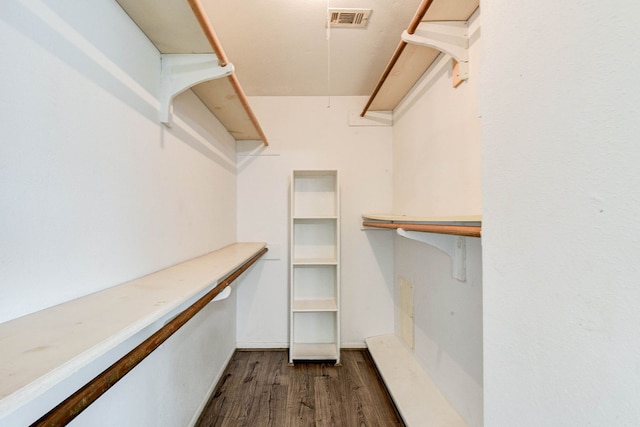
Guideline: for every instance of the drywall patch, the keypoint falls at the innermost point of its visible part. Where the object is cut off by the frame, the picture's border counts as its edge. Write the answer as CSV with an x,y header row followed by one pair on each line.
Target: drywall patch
x,y
405,303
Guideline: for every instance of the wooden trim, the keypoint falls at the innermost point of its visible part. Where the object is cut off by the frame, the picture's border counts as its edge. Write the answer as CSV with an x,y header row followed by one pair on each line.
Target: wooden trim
x,y
245,103
384,76
207,28
419,16
422,10
70,408
425,219
455,73
457,230
205,24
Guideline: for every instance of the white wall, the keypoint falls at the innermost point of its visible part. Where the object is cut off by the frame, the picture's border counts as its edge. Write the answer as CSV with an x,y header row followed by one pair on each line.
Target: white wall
x,y
437,171
305,134
561,241
436,141
95,192
447,321
166,388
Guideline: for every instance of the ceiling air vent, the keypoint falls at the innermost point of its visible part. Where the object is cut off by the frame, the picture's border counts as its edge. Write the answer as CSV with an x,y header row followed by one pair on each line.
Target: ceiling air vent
x,y
349,18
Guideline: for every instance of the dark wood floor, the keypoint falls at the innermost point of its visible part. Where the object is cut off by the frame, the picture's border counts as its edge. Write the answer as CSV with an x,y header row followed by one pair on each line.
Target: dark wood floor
x,y
258,388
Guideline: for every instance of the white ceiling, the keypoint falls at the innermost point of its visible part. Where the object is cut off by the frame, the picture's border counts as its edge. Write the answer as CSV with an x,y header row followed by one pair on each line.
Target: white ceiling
x,y
280,47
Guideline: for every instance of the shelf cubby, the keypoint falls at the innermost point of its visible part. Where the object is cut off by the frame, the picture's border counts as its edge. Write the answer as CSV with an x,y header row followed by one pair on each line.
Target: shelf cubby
x,y
315,288
315,336
315,239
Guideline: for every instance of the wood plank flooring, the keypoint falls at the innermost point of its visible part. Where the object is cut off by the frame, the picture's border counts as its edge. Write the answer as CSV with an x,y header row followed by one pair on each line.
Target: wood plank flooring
x,y
258,388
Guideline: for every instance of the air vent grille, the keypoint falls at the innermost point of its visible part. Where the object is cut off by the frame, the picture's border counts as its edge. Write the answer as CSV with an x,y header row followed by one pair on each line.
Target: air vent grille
x,y
349,18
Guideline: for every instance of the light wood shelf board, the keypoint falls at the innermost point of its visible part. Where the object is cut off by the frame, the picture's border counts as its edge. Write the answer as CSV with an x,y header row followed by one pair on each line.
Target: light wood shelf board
x,y
410,67
305,305
417,397
423,219
173,28
416,60
315,261
451,10
220,98
42,349
170,25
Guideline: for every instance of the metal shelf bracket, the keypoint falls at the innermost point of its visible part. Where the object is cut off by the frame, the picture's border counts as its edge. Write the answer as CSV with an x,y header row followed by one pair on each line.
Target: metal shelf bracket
x,y
450,37
180,72
454,246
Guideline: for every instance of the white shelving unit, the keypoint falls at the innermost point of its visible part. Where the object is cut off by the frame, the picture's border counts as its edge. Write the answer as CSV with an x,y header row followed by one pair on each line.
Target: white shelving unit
x,y
315,266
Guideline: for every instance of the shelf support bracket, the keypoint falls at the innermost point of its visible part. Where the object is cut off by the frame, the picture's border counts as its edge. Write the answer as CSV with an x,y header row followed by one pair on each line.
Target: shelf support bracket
x,y
454,246
180,72
450,37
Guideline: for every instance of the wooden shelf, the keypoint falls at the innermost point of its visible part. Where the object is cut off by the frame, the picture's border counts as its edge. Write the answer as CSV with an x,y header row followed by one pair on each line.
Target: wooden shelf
x,y
417,397
469,226
43,349
410,61
450,219
315,261
173,27
310,305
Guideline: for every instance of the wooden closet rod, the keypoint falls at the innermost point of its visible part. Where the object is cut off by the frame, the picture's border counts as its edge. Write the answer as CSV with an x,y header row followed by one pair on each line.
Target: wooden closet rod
x,y
456,230
417,18
70,408
207,28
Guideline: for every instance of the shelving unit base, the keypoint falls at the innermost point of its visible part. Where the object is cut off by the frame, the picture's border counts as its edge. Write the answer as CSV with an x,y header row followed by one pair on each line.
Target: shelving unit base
x,y
314,352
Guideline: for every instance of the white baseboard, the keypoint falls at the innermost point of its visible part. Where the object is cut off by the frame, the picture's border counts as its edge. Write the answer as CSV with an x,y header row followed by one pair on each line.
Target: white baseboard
x,y
357,344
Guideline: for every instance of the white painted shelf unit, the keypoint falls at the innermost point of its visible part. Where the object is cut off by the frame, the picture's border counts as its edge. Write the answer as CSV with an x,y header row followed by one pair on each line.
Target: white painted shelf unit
x,y
314,325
